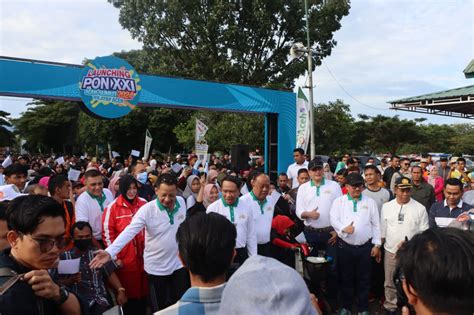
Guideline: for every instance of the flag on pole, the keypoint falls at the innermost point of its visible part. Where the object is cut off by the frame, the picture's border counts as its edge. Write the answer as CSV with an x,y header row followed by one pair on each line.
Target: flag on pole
x,y
302,121
110,151
201,143
148,140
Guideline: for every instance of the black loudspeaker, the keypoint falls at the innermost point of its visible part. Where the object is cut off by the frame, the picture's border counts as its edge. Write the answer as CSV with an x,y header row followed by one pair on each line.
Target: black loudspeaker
x,y
240,156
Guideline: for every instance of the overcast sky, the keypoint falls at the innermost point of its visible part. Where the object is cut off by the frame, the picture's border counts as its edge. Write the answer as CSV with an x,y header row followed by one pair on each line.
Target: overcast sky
x,y
387,49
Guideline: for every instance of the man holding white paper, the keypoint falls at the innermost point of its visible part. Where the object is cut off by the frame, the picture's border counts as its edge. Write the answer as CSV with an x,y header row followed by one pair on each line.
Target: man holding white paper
x,y
452,206
74,272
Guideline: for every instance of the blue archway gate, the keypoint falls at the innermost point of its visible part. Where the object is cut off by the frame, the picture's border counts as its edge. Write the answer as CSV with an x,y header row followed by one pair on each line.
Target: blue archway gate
x,y
52,80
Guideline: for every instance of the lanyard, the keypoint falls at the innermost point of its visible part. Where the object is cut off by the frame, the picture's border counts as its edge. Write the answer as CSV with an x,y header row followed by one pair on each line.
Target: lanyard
x,y
231,208
354,202
260,203
319,186
169,212
100,200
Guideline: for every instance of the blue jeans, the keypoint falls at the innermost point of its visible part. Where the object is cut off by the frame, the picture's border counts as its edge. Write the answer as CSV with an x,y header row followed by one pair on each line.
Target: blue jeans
x,y
319,241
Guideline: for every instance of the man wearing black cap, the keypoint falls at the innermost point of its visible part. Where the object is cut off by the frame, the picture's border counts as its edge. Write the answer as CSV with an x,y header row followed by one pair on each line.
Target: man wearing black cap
x,y
355,218
402,218
313,204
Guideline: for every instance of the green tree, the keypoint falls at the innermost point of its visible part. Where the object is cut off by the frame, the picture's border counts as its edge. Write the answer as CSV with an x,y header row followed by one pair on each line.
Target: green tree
x,y
6,135
334,128
48,124
389,134
245,41
463,141
224,130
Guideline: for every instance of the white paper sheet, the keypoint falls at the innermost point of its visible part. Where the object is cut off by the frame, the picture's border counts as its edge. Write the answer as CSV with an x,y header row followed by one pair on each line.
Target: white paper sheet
x,y
135,153
115,154
73,174
60,160
443,222
69,266
176,167
300,238
7,162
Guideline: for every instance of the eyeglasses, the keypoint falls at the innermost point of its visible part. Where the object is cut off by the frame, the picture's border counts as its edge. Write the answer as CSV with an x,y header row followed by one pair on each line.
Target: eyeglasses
x,y
46,244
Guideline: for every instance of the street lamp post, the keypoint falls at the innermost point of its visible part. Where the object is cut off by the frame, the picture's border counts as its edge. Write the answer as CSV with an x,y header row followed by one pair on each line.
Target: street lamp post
x,y
310,83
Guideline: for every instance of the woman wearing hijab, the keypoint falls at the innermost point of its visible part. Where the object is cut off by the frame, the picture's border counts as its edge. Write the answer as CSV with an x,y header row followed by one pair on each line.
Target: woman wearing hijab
x,y
212,176
283,242
191,191
208,193
114,186
116,217
437,182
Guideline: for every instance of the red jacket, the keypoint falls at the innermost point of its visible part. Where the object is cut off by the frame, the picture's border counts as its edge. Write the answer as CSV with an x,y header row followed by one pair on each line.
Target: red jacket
x,y
116,217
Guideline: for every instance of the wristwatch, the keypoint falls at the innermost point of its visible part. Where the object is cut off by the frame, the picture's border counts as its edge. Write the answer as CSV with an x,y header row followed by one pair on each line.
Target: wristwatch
x,y
63,295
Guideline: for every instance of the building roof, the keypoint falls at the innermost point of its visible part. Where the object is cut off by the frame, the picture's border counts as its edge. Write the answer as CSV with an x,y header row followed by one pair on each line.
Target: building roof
x,y
469,71
457,102
462,91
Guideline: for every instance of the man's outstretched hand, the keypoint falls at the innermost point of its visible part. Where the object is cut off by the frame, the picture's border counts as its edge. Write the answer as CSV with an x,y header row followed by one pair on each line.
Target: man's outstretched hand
x,y
100,259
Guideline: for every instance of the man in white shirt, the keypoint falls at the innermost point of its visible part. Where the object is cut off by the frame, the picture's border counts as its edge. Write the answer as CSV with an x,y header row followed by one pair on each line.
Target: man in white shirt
x,y
240,215
402,218
313,206
262,208
300,162
355,218
168,279
91,204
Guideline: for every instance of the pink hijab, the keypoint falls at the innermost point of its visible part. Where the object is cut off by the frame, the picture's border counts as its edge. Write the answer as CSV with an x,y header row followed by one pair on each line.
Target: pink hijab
x,y
207,193
112,183
211,174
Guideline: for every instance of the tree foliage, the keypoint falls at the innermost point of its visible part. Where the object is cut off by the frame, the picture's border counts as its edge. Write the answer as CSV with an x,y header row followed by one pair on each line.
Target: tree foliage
x,y
246,41
48,125
224,130
6,135
333,127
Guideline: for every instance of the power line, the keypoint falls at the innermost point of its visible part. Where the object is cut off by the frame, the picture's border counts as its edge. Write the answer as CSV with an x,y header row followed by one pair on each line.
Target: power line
x,y
349,94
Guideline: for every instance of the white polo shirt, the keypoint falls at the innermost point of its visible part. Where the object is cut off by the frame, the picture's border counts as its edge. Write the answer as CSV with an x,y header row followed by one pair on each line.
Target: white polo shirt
x,y
262,214
365,215
400,221
161,248
310,197
242,217
292,172
89,209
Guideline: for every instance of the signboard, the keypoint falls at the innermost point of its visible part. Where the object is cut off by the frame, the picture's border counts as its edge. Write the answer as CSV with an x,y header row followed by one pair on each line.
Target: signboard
x,y
109,87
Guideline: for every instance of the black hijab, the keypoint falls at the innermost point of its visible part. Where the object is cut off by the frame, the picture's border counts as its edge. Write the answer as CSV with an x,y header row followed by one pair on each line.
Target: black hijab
x,y
124,184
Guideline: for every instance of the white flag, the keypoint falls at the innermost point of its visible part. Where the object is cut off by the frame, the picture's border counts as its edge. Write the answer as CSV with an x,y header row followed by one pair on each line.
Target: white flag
x,y
302,121
148,140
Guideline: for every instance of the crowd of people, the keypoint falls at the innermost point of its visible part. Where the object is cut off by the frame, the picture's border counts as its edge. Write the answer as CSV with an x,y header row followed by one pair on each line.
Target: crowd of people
x,y
83,236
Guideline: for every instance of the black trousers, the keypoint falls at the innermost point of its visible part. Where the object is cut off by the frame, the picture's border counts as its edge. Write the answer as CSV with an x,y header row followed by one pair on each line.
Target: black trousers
x,y
135,307
355,264
264,249
167,290
378,278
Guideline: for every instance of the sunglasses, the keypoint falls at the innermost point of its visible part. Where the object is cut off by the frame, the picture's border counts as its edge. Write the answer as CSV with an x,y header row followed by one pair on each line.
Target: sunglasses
x,y
46,244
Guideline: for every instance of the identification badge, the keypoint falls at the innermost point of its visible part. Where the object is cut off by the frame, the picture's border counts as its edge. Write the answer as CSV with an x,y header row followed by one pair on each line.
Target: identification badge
x,y
401,217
